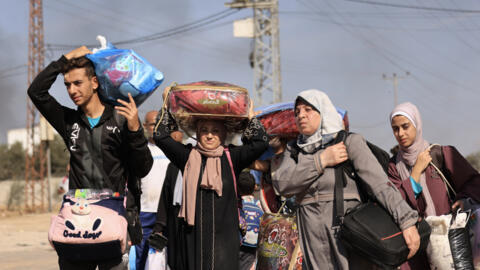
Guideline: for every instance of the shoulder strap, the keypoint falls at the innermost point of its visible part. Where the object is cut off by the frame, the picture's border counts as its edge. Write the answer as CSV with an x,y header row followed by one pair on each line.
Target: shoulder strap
x,y
437,156
338,195
438,164
340,183
227,152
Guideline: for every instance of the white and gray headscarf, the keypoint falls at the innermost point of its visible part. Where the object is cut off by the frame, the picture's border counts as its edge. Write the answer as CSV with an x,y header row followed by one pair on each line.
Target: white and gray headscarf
x,y
330,124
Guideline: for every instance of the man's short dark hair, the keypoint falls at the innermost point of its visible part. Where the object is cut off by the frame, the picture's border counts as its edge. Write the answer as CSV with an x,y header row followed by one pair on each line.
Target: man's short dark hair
x,y
246,183
80,62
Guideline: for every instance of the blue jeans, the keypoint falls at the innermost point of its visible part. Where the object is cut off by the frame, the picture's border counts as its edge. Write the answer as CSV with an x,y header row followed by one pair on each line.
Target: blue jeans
x,y
148,220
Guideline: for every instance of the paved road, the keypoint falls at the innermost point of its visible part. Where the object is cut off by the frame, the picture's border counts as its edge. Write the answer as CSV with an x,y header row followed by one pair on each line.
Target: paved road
x,y
24,244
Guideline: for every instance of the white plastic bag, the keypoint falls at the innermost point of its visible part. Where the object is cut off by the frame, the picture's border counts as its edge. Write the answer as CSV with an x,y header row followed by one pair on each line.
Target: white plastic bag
x,y
439,251
157,260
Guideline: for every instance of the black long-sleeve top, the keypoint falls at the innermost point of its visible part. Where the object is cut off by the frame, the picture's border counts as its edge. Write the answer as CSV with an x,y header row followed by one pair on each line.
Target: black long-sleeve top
x,y
119,152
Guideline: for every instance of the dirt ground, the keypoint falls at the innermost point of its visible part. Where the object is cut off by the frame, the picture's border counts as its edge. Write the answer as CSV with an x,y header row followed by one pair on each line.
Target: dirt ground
x,y
24,244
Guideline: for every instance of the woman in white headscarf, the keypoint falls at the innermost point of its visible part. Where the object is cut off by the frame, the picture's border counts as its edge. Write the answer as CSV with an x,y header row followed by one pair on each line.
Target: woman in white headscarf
x,y
306,170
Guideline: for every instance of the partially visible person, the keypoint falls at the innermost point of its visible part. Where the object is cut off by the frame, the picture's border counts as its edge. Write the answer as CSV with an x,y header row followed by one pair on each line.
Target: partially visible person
x,y
420,184
151,187
90,131
168,227
251,212
269,199
63,185
306,170
209,209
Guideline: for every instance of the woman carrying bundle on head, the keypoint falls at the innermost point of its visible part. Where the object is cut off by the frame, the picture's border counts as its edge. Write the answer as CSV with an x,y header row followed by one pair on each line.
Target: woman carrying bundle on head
x,y
209,203
306,170
419,182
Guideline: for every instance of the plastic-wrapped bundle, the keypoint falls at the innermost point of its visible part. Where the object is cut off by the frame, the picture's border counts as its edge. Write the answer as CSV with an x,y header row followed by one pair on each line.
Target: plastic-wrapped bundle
x,y
209,99
279,119
122,71
278,246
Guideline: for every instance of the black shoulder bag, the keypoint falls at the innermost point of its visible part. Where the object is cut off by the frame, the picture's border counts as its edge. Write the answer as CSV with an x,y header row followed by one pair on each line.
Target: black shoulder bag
x,y
369,230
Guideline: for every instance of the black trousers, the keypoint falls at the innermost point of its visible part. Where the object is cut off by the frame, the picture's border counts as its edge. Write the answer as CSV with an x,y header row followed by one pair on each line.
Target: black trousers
x,y
114,264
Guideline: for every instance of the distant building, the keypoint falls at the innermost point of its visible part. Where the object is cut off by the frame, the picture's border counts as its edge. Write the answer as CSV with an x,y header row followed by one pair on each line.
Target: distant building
x,y
20,135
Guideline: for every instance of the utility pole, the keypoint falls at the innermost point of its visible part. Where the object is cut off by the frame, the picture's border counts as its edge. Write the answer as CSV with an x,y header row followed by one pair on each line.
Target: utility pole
x,y
395,78
34,156
266,54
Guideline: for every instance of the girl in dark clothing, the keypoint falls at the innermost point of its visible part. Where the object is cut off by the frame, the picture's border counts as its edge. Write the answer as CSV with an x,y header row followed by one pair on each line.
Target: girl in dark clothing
x,y
209,203
412,172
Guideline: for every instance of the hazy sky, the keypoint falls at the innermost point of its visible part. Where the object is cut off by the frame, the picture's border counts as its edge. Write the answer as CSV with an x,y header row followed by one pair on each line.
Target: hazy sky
x,y
338,46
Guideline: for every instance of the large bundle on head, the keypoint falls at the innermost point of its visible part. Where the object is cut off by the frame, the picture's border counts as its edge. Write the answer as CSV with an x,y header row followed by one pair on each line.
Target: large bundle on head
x,y
209,100
279,120
122,71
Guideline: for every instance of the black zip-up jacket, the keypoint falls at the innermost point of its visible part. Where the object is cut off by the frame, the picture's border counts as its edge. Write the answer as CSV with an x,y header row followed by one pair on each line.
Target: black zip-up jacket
x,y
121,153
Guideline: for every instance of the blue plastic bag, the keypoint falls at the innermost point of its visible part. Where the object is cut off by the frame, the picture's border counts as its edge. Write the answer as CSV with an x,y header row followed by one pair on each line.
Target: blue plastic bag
x,y
122,71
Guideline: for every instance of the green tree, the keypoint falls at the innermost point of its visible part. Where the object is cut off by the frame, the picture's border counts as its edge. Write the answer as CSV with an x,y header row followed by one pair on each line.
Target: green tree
x,y
12,161
474,160
59,156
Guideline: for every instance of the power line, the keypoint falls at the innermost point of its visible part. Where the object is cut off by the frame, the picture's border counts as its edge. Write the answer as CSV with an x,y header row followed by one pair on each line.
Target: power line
x,y
415,7
164,34
10,69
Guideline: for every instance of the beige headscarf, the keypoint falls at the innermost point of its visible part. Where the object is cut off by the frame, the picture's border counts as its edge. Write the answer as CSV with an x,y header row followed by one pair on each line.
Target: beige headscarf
x,y
211,178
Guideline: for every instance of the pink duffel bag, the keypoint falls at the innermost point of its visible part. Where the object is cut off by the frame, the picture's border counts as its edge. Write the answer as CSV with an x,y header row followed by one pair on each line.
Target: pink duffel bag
x,y
89,229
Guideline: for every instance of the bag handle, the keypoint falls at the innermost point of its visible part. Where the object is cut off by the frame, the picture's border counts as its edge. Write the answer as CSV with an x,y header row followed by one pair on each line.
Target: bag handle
x,y
444,179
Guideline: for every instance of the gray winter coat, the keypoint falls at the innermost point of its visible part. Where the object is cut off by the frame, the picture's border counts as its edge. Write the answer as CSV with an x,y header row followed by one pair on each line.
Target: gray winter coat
x,y
313,186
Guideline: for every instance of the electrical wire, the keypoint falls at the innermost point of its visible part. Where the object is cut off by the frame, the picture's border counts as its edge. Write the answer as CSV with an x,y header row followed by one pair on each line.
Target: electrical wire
x,y
161,35
414,7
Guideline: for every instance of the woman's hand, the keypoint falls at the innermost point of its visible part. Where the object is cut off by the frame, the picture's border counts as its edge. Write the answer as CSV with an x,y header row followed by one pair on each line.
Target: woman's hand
x,y
421,164
458,204
130,112
412,238
334,155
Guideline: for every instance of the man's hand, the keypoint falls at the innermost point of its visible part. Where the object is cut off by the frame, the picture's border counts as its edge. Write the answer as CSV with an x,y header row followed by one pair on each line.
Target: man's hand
x,y
412,238
130,112
334,155
78,52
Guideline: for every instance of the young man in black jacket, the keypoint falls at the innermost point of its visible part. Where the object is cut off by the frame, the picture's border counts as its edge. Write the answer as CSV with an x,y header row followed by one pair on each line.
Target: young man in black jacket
x,y
102,140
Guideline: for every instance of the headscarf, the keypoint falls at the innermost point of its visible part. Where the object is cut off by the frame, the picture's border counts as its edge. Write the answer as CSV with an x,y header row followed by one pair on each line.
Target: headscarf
x,y
407,156
211,178
330,123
